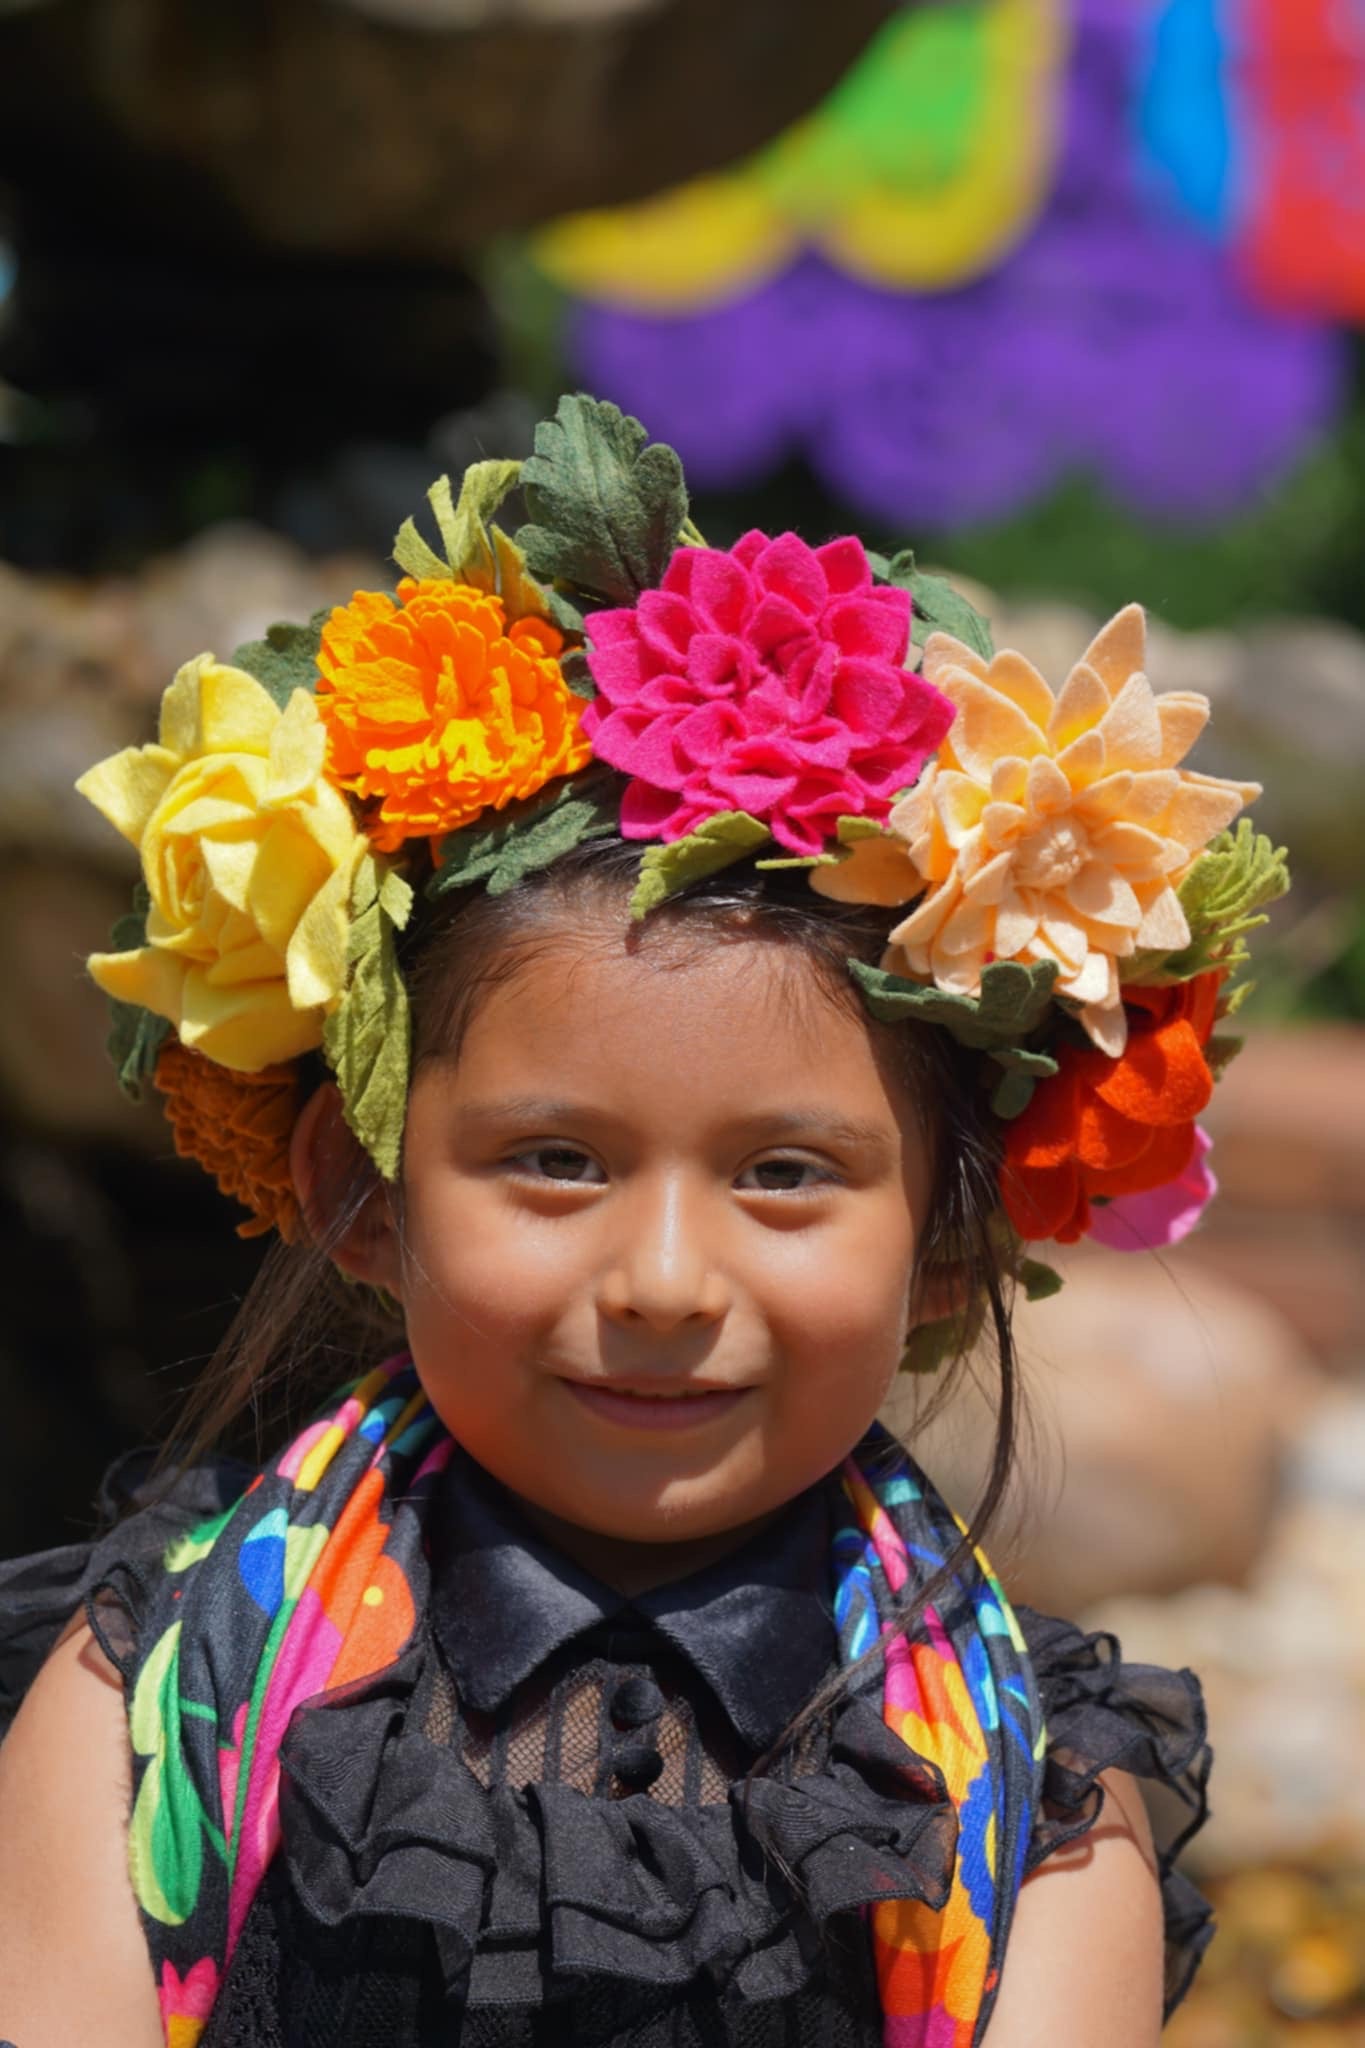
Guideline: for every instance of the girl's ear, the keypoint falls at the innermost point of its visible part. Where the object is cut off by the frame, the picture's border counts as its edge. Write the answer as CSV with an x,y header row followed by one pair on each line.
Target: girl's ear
x,y
345,1204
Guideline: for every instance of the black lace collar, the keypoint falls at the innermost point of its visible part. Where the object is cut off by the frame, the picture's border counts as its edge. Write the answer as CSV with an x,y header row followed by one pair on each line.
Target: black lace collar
x,y
757,1626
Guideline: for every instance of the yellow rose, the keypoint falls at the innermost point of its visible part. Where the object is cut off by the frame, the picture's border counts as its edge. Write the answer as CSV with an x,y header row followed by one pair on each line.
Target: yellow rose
x,y
248,855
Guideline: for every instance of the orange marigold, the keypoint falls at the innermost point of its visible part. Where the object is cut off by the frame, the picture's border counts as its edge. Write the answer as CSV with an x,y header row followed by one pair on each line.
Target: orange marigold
x,y
437,709
238,1127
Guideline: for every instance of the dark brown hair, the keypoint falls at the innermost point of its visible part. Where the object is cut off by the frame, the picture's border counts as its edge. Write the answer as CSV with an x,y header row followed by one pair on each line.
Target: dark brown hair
x,y
302,1329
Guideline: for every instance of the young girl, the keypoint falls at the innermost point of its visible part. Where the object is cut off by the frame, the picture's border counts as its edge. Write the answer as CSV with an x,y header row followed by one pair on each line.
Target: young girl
x,y
679,999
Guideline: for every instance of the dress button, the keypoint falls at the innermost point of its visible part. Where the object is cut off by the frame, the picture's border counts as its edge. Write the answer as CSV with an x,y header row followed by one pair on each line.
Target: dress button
x,y
637,1765
635,1701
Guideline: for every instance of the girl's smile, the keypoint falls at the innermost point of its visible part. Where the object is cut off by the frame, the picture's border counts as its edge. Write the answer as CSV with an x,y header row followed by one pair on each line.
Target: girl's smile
x,y
657,1232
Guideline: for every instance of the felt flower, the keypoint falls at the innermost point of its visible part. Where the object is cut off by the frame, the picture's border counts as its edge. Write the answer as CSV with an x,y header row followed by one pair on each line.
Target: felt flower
x,y
1113,1127
769,679
437,709
248,854
238,1127
1151,1222
1057,827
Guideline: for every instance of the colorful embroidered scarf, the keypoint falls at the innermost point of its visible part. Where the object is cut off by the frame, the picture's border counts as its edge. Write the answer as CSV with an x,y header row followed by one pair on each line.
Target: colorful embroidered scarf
x,y
316,1577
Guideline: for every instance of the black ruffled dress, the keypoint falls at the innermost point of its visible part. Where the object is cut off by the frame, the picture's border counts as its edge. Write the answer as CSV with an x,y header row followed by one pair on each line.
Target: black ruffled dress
x,y
538,1826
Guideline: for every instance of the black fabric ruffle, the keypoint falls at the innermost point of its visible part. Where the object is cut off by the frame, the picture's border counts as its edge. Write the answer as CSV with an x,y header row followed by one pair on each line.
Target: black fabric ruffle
x,y
135,1518
378,1819
1102,1715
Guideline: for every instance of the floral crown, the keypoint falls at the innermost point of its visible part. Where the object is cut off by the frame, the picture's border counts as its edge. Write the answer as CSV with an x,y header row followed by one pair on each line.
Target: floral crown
x,y
1075,905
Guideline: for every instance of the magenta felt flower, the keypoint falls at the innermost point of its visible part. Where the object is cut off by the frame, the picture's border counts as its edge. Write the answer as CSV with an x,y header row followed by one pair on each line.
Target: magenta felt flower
x,y
1144,1223
769,679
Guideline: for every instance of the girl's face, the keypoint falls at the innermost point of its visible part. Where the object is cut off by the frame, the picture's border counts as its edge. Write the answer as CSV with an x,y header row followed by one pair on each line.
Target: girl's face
x,y
659,1222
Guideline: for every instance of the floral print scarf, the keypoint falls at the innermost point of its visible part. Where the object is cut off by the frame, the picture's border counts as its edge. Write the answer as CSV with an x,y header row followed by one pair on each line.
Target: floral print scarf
x,y
316,1577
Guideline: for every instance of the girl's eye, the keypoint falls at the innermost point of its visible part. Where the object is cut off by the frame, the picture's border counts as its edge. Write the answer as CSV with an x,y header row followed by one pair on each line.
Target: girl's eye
x,y
561,1163
783,1177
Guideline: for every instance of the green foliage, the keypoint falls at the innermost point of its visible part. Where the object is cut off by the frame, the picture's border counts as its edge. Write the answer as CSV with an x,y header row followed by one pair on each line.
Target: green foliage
x,y
717,843
607,505
477,552
1013,1004
286,660
1223,897
1039,1282
366,1041
136,1035
938,607
526,836
1014,1001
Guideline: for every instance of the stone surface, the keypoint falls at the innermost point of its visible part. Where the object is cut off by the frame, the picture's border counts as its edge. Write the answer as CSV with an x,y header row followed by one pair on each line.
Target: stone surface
x,y
1157,1414
1282,1660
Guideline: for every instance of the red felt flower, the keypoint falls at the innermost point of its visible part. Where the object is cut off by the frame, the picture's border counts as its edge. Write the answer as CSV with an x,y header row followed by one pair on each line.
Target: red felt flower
x,y
770,679
1108,1127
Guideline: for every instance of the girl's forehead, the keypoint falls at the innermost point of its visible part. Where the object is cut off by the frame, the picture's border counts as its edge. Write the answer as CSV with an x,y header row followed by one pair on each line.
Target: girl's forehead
x,y
740,1018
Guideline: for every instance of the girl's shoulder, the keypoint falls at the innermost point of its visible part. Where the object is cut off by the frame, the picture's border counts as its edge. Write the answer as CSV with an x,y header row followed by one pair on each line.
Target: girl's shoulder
x,y
113,1567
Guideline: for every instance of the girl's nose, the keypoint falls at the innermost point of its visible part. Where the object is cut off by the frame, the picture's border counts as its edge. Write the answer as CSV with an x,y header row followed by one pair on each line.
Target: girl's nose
x,y
662,1272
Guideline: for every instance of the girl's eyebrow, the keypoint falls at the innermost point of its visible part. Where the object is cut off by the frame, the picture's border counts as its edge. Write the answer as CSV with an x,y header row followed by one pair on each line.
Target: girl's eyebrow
x,y
791,1122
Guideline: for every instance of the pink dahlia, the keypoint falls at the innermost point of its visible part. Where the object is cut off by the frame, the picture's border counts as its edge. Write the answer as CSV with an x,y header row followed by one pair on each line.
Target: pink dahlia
x,y
769,680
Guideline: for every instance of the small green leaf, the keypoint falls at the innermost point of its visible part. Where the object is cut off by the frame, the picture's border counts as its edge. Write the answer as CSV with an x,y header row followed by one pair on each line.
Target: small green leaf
x,y
366,1039
477,552
286,660
938,608
1221,1050
1014,1001
931,1346
1223,897
850,829
607,505
1039,1282
801,860
526,837
717,843
1021,1074
573,666
136,1036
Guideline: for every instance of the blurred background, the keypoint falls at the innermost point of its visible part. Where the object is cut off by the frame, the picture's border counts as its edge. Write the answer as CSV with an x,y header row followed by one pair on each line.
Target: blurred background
x,y
1064,293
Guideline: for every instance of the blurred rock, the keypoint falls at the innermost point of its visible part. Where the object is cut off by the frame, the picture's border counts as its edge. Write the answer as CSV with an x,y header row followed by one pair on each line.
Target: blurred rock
x,y
1283,1662
1157,1416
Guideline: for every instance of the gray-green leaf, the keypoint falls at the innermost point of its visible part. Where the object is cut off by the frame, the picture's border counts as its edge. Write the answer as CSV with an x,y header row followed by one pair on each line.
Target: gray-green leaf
x,y
938,608
607,505
286,660
366,1041
718,842
526,837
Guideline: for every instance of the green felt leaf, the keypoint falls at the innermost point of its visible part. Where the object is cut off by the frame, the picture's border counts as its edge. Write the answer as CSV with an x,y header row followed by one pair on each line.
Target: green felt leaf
x,y
850,829
286,660
931,1346
526,836
136,1036
717,843
1014,1001
938,607
1023,1070
607,505
1039,1282
573,666
366,1040
1224,897
1220,1052
477,552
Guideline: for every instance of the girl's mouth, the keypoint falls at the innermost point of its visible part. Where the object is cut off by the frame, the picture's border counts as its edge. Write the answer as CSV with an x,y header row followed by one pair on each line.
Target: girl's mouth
x,y
633,1408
